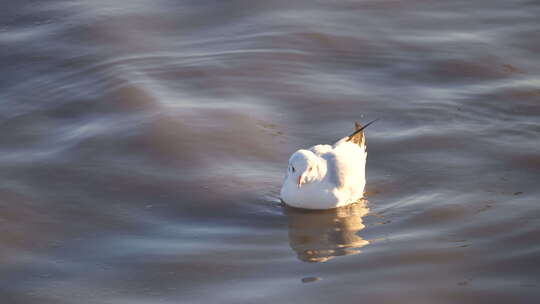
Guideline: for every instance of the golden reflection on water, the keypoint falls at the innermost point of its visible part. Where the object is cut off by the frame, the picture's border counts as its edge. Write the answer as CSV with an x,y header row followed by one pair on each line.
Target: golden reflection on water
x,y
321,235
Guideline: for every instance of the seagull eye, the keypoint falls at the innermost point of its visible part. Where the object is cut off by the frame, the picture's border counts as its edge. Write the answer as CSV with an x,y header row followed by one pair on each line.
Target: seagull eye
x,y
292,169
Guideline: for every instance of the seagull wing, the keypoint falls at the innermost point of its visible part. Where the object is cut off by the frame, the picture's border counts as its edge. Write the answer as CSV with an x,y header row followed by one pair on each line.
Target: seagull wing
x,y
336,169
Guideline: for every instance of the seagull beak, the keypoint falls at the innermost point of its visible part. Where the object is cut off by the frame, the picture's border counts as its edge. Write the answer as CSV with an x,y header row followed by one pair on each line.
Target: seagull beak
x,y
299,181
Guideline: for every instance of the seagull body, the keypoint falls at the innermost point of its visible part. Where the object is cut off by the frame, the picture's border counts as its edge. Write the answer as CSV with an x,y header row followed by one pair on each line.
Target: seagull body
x,y
325,176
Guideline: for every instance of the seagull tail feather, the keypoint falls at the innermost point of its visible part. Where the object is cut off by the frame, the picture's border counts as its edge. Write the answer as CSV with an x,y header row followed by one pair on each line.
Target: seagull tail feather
x,y
357,136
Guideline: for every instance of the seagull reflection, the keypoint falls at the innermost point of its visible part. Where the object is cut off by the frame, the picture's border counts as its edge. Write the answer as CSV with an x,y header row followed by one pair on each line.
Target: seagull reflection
x,y
320,235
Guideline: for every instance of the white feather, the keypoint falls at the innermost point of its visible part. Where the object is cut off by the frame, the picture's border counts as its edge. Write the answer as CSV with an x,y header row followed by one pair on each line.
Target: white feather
x,y
337,176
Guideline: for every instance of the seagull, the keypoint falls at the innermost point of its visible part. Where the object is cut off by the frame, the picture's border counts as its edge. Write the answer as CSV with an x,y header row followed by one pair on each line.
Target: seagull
x,y
325,176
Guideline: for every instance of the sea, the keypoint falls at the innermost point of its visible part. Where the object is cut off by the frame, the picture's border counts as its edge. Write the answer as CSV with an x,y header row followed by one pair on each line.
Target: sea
x,y
143,145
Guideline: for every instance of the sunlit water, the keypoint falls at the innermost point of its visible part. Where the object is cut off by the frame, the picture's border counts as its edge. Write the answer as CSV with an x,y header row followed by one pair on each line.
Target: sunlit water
x,y
144,143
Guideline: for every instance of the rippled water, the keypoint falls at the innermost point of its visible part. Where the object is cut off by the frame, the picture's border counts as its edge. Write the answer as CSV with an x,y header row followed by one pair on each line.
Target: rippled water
x,y
144,142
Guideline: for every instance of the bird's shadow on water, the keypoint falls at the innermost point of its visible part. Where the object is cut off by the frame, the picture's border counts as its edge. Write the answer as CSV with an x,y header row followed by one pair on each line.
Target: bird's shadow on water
x,y
321,235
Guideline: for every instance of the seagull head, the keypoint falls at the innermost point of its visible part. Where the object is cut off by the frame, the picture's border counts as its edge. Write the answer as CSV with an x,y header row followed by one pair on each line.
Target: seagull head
x,y
302,167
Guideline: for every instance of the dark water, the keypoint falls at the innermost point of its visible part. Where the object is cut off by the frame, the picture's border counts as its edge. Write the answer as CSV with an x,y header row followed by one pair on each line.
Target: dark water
x,y
143,145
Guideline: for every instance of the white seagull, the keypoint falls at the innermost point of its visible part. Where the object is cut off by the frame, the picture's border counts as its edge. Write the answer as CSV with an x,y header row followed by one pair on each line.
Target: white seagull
x,y
326,177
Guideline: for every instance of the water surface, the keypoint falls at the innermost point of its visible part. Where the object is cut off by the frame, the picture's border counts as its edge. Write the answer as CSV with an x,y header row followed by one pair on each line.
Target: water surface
x,y
144,143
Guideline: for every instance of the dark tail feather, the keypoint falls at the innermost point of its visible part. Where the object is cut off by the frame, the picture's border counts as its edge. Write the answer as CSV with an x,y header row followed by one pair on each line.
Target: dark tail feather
x,y
358,136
